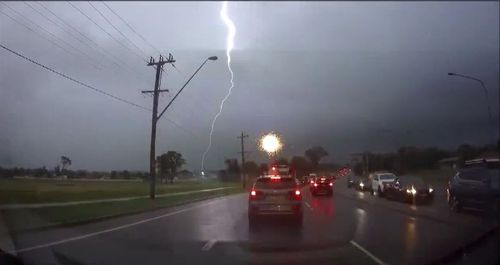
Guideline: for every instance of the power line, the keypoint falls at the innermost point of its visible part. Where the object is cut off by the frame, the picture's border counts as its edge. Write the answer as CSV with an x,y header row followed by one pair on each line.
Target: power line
x,y
129,68
34,31
102,29
73,79
89,86
52,21
111,24
51,34
130,27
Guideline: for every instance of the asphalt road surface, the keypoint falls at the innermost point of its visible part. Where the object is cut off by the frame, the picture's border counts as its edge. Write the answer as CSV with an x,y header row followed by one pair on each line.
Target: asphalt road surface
x,y
349,228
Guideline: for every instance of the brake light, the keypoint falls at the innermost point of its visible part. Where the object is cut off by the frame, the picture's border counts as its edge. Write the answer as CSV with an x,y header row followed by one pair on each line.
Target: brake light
x,y
331,184
297,192
315,184
275,177
253,193
312,181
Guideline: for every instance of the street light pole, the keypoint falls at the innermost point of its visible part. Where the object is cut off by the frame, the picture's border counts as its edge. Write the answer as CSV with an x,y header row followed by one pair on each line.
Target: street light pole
x,y
211,58
487,103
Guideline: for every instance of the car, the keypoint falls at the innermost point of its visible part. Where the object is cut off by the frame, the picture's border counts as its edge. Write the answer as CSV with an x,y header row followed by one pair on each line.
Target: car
x,y
352,180
312,180
476,185
361,184
322,185
409,189
275,195
304,180
378,180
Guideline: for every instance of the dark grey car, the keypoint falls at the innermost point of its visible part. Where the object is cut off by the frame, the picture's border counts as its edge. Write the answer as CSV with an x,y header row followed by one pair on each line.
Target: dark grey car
x,y
476,185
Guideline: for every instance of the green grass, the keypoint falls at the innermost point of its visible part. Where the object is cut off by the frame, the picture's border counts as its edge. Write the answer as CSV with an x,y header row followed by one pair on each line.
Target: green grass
x,y
22,219
40,191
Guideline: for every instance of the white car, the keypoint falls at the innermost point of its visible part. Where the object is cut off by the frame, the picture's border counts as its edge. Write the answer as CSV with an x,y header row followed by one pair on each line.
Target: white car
x,y
379,180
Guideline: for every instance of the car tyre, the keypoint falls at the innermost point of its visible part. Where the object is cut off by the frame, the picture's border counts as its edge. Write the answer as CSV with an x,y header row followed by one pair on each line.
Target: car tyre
x,y
379,192
252,221
455,204
298,220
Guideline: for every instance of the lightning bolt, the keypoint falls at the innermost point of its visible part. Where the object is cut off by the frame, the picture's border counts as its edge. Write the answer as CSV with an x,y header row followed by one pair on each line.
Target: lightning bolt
x,y
229,47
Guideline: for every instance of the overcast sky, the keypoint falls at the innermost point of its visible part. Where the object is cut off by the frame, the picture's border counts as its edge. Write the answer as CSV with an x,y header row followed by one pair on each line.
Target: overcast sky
x,y
346,76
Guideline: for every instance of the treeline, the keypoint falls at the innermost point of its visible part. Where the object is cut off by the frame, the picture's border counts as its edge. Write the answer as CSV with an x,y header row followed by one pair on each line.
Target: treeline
x,y
43,172
300,165
410,158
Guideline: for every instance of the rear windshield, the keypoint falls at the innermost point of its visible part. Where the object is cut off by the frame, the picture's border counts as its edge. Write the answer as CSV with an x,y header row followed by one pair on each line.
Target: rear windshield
x,y
268,183
387,176
488,175
409,180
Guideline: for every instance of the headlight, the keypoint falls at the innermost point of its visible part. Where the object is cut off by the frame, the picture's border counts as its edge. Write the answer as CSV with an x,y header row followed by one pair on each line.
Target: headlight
x,y
431,189
411,191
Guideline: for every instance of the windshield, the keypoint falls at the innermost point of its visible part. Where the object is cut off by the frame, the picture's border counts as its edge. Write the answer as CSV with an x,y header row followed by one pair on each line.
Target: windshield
x,y
487,175
197,132
387,176
269,183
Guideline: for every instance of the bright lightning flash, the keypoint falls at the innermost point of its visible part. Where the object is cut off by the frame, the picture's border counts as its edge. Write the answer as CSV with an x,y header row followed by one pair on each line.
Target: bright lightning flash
x,y
270,143
229,47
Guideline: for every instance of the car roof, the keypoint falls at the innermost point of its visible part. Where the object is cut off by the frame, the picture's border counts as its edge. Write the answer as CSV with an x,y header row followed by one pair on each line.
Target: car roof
x,y
384,172
480,162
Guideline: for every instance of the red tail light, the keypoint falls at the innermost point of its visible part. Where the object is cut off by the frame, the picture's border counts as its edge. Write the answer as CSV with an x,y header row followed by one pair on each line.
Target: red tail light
x,y
256,195
315,184
295,195
312,181
331,184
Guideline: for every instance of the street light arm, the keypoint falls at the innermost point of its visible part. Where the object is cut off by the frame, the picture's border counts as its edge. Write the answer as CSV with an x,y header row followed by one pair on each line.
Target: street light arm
x,y
490,117
171,101
468,77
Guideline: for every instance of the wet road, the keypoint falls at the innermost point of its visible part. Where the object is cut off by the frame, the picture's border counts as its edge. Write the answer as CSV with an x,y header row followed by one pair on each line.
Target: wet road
x,y
349,228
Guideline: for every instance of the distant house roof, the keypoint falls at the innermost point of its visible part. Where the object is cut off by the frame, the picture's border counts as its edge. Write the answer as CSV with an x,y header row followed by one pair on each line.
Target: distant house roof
x,y
448,160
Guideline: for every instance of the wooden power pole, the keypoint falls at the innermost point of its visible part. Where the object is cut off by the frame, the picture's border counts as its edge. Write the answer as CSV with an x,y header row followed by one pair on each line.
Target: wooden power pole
x,y
154,118
243,175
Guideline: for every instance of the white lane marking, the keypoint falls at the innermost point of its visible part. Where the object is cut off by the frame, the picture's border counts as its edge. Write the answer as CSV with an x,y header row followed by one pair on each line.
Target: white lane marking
x,y
368,253
308,205
110,229
209,245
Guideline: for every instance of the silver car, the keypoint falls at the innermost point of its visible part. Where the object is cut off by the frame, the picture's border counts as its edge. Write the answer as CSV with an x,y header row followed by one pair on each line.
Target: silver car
x,y
275,195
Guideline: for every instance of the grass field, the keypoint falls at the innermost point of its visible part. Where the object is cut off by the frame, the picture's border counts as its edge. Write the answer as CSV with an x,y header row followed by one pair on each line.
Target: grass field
x,y
40,191
23,191
22,219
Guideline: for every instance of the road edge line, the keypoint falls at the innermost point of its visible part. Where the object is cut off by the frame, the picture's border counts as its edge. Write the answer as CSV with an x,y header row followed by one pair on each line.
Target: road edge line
x,y
105,231
210,243
112,216
368,253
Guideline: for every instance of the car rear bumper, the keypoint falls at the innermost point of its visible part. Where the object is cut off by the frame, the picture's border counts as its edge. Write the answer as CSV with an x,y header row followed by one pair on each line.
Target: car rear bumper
x,y
262,208
424,197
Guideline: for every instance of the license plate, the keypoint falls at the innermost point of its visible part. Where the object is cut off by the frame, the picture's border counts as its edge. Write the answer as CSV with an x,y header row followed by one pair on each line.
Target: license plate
x,y
274,198
276,208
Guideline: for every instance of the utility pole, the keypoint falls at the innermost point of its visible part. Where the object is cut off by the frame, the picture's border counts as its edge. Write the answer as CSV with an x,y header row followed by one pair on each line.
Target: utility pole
x,y
243,175
154,118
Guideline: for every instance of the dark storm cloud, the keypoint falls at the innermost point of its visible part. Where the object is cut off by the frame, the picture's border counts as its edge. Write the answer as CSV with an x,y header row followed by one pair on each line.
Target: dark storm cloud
x,y
347,76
